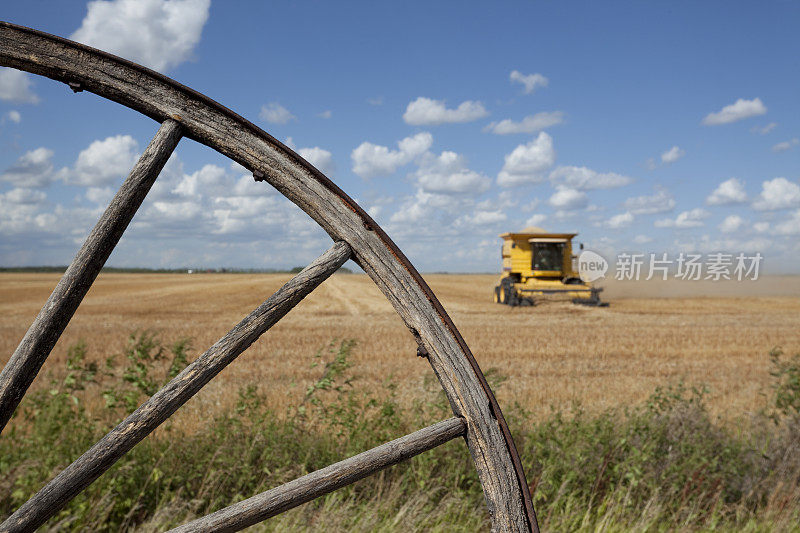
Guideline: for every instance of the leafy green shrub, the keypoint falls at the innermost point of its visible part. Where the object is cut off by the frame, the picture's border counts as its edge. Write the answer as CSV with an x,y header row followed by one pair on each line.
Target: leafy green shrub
x,y
660,465
787,383
144,356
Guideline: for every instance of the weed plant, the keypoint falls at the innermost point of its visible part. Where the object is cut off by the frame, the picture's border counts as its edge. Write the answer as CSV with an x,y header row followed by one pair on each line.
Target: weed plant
x,y
658,466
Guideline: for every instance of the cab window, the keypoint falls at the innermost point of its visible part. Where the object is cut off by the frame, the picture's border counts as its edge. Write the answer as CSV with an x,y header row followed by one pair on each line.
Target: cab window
x,y
548,255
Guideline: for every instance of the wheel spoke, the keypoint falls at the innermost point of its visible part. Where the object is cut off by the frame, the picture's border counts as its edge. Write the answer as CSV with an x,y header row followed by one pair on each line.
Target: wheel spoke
x,y
43,334
100,457
306,488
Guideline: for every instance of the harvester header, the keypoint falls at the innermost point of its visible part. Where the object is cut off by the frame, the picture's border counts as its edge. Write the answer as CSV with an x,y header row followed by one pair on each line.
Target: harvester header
x,y
538,265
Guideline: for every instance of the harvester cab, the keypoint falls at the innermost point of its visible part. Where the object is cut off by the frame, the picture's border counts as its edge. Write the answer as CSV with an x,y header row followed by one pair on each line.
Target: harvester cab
x,y
538,266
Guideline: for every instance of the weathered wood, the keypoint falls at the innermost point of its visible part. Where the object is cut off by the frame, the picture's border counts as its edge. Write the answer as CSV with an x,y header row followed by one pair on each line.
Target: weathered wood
x,y
304,489
162,404
490,443
43,334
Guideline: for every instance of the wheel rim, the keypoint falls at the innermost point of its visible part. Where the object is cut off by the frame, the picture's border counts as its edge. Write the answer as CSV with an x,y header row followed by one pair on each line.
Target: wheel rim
x,y
184,112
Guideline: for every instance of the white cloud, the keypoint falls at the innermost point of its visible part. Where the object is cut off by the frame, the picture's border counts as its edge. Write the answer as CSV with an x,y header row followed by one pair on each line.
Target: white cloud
x,y
275,113
529,124
567,199
104,162
585,179
215,201
660,202
14,116
622,220
325,114
778,193
15,86
410,212
32,169
535,220
415,145
20,213
728,192
320,158
448,173
506,200
527,163
563,214
180,211
223,218
763,130
672,155
233,213
731,224
791,226
428,218
761,227
642,239
370,160
484,218
22,196
208,184
786,145
168,179
192,185
735,112
100,195
425,111
687,219
530,81
159,34
512,200
426,206
378,100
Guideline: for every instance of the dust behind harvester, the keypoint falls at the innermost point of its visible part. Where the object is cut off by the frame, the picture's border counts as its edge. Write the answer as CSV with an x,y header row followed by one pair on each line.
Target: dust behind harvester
x,y
537,266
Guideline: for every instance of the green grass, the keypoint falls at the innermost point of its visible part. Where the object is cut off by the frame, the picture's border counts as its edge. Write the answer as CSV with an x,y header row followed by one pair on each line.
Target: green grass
x,y
658,466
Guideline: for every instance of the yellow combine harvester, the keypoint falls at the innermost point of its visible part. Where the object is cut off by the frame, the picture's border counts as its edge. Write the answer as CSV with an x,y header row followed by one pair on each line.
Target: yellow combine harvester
x,y
538,265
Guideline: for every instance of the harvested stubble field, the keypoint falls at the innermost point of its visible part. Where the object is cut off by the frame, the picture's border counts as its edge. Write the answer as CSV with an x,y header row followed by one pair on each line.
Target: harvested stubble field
x,y
654,333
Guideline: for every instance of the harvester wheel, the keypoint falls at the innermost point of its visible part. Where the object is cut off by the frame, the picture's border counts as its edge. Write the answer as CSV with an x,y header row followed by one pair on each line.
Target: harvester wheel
x,y
496,295
509,293
182,112
513,297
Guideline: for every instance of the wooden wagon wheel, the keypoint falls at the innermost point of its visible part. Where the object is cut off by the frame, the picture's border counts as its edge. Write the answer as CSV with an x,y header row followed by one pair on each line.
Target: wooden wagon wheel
x,y
183,112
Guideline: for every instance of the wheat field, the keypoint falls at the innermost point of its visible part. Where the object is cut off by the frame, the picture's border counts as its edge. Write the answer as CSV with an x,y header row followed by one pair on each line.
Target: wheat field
x,y
653,334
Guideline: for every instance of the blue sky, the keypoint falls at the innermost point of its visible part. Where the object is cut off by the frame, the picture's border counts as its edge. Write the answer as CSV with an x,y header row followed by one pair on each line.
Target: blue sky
x,y
652,127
